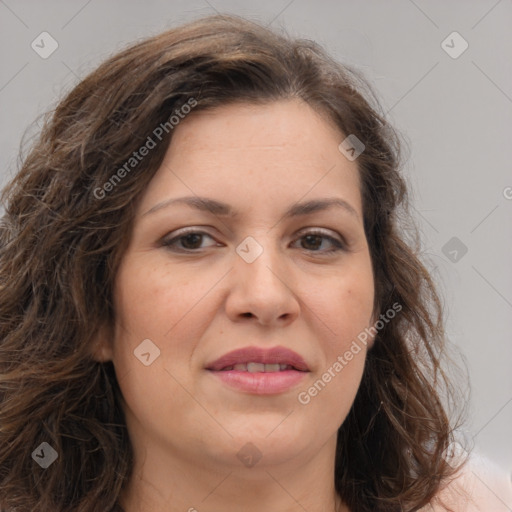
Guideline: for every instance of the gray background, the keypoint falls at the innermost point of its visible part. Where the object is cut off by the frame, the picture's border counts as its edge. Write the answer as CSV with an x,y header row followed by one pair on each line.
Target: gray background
x,y
456,114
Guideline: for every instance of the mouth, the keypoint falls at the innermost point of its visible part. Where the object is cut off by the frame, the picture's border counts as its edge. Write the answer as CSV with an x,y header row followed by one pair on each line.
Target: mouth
x,y
260,371
259,367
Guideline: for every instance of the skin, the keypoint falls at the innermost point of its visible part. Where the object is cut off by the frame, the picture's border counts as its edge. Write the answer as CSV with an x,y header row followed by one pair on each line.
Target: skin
x,y
186,426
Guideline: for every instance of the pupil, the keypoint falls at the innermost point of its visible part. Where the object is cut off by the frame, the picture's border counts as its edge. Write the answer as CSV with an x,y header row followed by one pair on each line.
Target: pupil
x,y
312,239
193,238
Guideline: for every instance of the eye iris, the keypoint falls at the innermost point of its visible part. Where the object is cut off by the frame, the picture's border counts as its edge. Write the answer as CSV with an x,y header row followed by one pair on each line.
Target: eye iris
x,y
193,241
194,238
312,239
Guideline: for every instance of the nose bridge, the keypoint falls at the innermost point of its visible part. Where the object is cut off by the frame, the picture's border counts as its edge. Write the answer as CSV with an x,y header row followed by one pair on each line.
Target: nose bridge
x,y
260,285
258,259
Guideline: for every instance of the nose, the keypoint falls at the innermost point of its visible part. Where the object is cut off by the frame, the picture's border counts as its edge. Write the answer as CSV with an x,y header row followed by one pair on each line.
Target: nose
x,y
263,291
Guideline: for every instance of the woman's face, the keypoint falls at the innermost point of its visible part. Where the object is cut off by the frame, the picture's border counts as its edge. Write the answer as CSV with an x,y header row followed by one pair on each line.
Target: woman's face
x,y
225,321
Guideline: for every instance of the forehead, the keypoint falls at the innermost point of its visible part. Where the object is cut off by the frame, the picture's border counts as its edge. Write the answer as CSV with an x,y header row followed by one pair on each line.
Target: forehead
x,y
279,151
287,124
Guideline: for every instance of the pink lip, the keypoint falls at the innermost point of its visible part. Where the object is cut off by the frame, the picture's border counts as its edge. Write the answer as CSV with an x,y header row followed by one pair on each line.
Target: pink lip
x,y
259,382
246,355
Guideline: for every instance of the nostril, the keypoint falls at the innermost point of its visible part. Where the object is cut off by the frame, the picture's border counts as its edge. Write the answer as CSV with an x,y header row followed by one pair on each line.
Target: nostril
x,y
247,315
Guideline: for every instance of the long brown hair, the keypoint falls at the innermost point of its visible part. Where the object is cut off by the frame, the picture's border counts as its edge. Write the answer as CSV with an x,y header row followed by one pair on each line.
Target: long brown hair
x,y
65,229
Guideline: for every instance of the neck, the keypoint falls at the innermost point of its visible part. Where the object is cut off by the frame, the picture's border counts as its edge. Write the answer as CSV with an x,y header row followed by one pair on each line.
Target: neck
x,y
170,482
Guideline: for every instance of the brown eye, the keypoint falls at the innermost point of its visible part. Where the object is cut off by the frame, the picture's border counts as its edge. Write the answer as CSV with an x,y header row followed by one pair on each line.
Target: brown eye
x,y
313,241
187,241
191,240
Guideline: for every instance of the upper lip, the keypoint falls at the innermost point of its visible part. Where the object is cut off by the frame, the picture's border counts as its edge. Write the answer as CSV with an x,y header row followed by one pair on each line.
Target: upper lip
x,y
280,355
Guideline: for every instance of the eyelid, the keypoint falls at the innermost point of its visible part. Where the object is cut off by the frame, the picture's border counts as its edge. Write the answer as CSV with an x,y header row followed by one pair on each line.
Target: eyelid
x,y
312,230
179,233
336,239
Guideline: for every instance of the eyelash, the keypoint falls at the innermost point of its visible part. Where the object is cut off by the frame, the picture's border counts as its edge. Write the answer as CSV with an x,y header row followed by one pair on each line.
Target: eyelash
x,y
168,243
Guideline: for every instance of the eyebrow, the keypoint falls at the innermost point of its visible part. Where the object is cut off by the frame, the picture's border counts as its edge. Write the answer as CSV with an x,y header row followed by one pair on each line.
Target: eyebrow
x,y
225,210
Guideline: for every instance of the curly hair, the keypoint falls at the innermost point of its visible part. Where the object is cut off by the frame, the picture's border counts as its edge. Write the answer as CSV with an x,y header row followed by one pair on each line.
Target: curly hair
x,y
65,229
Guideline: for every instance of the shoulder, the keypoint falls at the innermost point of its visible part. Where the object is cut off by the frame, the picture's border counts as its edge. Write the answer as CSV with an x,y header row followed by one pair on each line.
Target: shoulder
x,y
481,486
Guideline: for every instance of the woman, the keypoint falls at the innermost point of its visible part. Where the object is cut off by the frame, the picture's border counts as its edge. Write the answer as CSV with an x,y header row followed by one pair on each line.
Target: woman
x,y
207,302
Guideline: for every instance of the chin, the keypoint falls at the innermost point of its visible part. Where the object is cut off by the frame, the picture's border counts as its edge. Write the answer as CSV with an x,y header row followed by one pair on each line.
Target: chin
x,y
271,438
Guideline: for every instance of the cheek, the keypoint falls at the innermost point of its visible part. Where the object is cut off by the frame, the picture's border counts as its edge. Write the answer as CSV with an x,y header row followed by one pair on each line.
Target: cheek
x,y
146,298
167,307
155,301
151,303
327,400
347,306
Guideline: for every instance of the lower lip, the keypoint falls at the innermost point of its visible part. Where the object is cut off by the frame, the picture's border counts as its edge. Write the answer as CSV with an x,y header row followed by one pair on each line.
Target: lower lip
x,y
260,383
